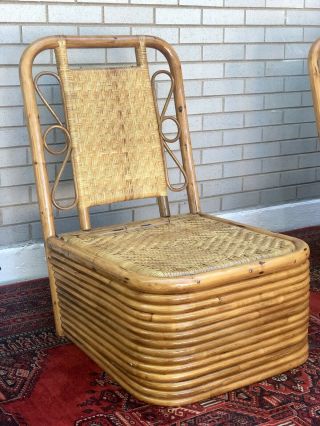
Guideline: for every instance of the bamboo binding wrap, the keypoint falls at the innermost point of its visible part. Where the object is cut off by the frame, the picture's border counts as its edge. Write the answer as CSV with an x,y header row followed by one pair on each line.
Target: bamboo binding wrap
x,y
173,339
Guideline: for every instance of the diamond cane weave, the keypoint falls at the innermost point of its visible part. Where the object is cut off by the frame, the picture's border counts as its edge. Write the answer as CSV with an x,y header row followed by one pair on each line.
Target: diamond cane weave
x,y
116,147
180,245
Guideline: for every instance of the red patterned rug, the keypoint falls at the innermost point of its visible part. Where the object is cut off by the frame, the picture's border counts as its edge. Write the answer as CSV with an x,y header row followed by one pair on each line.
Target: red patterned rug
x,y
46,381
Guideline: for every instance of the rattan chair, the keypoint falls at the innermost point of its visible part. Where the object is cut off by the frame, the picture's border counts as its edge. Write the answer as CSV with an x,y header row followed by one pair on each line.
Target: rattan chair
x,y
176,309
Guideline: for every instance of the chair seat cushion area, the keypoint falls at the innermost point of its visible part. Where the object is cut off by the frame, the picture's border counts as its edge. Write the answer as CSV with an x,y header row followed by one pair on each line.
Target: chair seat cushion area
x,y
181,245
180,309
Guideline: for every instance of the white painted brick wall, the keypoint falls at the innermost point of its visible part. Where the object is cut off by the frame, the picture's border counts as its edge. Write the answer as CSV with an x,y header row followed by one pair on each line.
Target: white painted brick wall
x,y
248,98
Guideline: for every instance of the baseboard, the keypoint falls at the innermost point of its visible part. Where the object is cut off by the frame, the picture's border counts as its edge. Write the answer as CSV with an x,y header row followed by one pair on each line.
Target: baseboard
x,y
27,262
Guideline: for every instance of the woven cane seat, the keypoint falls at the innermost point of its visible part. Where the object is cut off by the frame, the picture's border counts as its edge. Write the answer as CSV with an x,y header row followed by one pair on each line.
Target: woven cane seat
x,y
181,245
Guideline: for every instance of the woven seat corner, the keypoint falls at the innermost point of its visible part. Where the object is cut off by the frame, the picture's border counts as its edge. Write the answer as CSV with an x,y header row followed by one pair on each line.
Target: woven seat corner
x,y
179,308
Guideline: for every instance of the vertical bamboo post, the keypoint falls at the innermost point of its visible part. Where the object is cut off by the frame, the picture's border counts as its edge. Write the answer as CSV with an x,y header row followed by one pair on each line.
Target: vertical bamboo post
x,y
39,165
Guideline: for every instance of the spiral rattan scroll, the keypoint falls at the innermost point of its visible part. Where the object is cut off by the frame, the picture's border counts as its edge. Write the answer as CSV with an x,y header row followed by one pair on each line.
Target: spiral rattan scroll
x,y
66,148
162,117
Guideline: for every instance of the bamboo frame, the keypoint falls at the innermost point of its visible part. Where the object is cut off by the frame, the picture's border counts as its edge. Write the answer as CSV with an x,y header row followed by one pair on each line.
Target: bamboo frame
x,y
314,73
170,340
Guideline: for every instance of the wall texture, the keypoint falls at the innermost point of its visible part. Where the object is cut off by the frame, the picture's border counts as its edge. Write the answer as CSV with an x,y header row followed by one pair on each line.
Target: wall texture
x,y
248,99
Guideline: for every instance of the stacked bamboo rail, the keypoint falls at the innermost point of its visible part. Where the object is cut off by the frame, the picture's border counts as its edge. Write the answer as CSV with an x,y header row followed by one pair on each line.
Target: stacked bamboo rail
x,y
178,340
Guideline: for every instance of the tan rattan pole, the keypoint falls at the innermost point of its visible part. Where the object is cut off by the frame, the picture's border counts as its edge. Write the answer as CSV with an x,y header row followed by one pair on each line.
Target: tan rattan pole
x,y
314,72
39,164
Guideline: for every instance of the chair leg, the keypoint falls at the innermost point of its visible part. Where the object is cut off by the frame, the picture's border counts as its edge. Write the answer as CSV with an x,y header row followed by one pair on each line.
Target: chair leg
x,y
55,301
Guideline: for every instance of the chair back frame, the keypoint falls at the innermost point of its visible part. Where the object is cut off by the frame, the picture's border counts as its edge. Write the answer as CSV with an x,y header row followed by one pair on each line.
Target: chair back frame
x,y
314,73
37,138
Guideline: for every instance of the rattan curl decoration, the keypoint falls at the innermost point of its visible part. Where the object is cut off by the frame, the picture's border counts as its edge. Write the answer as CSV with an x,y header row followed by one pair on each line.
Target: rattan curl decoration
x,y
66,148
161,118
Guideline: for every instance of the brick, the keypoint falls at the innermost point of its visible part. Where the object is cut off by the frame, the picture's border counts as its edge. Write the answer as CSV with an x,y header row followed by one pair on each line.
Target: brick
x,y
277,195
263,118
10,55
33,32
297,50
221,187
21,175
282,34
156,2
223,87
111,218
204,105
307,99
242,136
243,103
260,150
296,83
223,17
282,132
104,30
202,70
209,3
287,67
9,34
244,3
14,195
298,115
146,212
308,130
265,17
237,201
22,13
243,35
208,172
223,52
10,96
128,15
12,116
14,234
221,154
20,214
77,14
189,53
201,35
282,100
242,168
210,205
223,121
295,177
298,146
302,17
181,16
285,3
9,76
206,139
263,85
311,33
244,69
171,35
279,163
312,3
308,190
13,136
269,51
124,55
269,180
309,160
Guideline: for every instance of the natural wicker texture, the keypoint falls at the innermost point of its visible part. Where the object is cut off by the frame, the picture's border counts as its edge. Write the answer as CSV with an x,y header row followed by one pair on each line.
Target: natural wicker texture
x,y
175,310
116,147
180,245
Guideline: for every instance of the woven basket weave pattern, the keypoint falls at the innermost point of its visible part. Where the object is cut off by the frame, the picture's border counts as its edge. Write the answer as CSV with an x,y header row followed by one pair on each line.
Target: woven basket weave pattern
x,y
116,147
181,245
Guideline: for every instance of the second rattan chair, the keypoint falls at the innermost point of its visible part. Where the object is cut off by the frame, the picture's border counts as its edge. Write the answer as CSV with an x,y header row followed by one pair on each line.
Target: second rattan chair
x,y
176,309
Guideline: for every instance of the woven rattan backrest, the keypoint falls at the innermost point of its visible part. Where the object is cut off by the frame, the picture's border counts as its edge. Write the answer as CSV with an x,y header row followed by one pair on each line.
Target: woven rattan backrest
x,y
116,146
